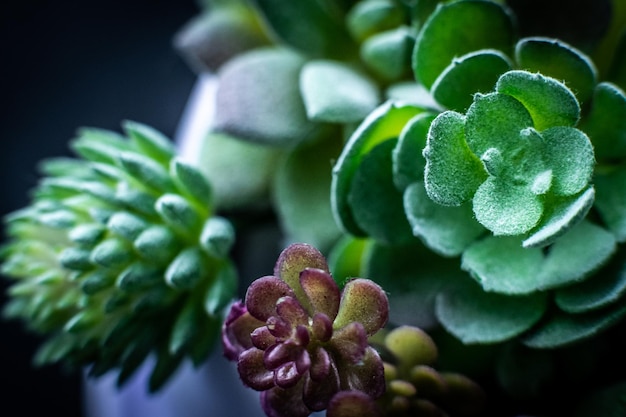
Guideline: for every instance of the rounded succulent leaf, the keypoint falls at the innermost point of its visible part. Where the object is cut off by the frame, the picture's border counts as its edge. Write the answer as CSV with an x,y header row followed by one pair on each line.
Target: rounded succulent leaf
x,y
447,34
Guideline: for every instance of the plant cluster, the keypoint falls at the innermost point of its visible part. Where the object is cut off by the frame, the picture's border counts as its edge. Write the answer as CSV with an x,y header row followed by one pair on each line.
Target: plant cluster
x,y
465,160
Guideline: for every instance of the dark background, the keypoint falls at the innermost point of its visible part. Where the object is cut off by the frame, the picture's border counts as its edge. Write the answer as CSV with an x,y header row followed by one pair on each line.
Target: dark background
x,y
64,65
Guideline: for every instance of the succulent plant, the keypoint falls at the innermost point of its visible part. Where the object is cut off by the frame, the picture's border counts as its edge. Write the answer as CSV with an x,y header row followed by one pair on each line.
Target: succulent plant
x,y
300,340
120,256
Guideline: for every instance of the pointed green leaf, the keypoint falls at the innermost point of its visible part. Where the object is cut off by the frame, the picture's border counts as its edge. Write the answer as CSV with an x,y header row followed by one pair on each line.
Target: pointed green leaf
x,y
76,259
301,189
157,244
605,124
506,209
447,34
222,290
446,230
217,237
177,213
126,225
353,94
408,161
150,142
475,316
186,326
134,199
549,102
187,269
96,281
99,145
87,235
376,203
558,60
575,255
111,253
191,182
384,123
564,329
139,276
475,72
603,288
502,265
453,172
146,172
559,217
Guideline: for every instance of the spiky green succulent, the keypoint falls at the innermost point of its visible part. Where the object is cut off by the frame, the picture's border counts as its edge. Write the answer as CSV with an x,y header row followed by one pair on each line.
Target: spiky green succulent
x,y
120,256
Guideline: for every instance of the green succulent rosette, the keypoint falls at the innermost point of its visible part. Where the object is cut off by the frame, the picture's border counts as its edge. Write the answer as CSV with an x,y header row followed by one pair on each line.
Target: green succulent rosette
x,y
507,174
120,256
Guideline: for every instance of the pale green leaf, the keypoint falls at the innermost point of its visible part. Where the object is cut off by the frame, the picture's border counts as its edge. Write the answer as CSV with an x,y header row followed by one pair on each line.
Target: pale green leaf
x,y
337,93
388,54
408,161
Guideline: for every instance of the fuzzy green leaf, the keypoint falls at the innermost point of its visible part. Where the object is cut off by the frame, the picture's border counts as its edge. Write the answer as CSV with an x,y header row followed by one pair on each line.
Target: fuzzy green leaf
x,y
559,217
135,199
150,142
388,54
600,290
611,201
446,230
259,99
502,265
549,102
555,59
99,145
573,256
217,236
376,203
506,209
301,189
495,120
384,123
569,153
475,72
453,172
564,329
408,161
476,316
192,183
187,269
87,235
606,122
447,34
337,93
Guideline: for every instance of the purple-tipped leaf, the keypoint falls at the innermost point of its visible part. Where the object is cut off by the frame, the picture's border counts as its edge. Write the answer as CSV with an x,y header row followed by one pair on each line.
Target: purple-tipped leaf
x,y
236,331
317,394
368,375
322,327
263,294
321,290
351,341
365,302
253,372
290,310
353,404
287,375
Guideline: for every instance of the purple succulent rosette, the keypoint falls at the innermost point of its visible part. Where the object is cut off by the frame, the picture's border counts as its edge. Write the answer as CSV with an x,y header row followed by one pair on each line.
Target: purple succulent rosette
x,y
300,340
